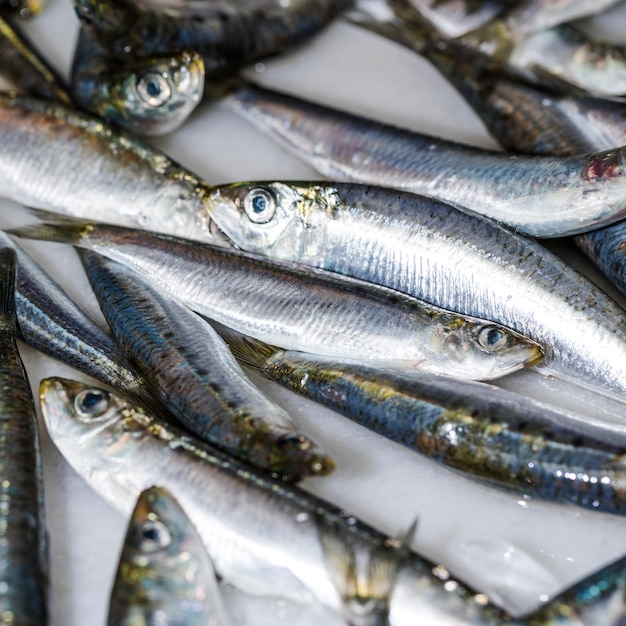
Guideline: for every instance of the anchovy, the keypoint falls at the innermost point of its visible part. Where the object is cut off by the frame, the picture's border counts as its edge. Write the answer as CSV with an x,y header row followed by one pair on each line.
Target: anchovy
x,y
23,539
164,573
540,196
192,373
492,434
148,96
304,308
265,536
26,69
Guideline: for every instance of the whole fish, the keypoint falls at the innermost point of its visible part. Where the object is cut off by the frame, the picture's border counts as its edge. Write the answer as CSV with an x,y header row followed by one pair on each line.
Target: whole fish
x,y
304,308
148,96
540,196
191,372
164,573
489,433
23,537
26,69
436,253
266,537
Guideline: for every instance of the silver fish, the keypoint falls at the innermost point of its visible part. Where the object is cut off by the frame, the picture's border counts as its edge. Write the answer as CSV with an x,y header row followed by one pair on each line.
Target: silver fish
x,y
148,96
192,373
23,538
266,537
303,308
165,574
540,196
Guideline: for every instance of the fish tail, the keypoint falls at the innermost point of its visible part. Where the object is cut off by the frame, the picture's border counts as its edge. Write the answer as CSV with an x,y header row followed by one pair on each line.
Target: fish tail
x,y
364,577
246,350
8,263
63,232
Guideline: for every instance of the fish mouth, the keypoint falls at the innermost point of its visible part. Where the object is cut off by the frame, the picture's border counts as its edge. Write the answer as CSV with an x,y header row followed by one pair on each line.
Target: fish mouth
x,y
54,399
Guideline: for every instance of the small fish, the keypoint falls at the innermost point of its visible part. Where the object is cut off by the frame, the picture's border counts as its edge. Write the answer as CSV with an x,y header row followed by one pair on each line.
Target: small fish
x,y
148,96
192,373
26,69
303,308
264,535
489,433
24,574
165,574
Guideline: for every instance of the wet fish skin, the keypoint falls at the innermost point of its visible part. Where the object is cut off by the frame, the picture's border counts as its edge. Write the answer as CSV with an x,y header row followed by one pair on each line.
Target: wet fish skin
x,y
436,253
540,196
191,372
488,433
147,96
164,568
304,308
24,574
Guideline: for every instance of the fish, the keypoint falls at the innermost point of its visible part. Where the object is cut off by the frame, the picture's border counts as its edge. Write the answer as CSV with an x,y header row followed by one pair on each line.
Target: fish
x,y
24,575
304,308
540,196
56,158
164,572
265,536
26,69
440,255
149,96
190,370
487,433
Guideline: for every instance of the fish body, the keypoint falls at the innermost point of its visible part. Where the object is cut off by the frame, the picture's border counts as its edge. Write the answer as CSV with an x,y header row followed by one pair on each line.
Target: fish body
x,y
438,254
191,371
23,538
148,96
164,571
488,433
304,308
266,537
540,196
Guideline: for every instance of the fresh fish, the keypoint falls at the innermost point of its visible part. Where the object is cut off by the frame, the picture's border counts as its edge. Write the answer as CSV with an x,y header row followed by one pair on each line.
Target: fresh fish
x,y
23,540
492,434
438,254
164,574
23,8
59,159
266,537
303,308
26,69
148,96
540,196
191,372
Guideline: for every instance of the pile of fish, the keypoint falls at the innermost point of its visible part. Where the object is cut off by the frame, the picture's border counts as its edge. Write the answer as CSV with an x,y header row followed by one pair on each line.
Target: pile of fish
x,y
393,293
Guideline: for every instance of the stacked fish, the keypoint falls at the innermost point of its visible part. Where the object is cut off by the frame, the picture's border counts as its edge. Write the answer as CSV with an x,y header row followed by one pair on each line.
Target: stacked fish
x,y
385,305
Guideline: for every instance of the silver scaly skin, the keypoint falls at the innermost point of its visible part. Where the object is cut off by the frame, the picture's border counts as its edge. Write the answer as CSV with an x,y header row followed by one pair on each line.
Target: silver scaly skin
x,y
164,571
264,536
436,253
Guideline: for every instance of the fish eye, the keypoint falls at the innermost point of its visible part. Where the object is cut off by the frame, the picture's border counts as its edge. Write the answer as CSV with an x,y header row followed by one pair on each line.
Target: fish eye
x,y
294,442
153,89
259,205
492,338
154,536
91,402
83,12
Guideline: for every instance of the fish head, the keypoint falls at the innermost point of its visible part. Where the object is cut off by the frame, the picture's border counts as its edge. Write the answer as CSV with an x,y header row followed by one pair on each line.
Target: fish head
x,y
284,221
479,350
157,94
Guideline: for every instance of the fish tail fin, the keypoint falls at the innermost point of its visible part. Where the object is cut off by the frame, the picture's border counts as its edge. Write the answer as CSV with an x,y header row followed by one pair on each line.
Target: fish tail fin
x,y
246,350
8,264
58,228
363,576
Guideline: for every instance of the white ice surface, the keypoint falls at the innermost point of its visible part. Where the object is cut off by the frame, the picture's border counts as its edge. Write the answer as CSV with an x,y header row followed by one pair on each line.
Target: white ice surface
x,y
385,484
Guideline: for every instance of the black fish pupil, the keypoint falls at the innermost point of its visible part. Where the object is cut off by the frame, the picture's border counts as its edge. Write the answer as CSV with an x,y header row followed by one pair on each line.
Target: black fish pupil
x,y
153,88
259,204
91,399
493,337
151,534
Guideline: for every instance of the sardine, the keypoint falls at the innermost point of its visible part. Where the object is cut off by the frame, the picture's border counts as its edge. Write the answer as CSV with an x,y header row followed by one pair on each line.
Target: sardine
x,y
192,373
491,434
266,537
23,539
164,574
148,96
303,308
540,196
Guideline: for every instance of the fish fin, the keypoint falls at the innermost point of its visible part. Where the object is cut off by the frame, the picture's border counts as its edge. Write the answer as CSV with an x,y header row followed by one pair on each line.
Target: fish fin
x,y
8,263
363,576
70,232
246,350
